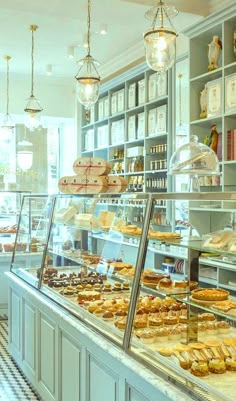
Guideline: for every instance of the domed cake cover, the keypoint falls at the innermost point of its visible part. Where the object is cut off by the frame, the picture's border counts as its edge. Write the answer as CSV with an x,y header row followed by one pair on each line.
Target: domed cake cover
x,y
194,158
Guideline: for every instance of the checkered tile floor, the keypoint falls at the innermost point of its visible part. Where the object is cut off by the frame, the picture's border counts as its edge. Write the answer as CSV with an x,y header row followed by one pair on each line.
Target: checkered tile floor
x,y
13,384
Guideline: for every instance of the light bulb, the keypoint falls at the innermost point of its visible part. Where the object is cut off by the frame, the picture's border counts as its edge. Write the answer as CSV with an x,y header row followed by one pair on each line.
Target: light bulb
x,y
32,121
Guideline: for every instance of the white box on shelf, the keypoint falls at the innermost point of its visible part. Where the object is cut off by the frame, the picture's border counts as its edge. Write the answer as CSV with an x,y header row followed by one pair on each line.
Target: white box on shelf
x,y
120,100
230,93
162,84
106,106
141,125
114,103
102,136
152,122
214,98
89,140
131,128
132,96
121,131
152,87
161,119
141,91
135,151
114,133
100,109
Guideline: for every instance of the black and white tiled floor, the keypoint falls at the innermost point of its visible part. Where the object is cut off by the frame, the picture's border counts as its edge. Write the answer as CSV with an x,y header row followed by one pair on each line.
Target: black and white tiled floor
x,y
13,384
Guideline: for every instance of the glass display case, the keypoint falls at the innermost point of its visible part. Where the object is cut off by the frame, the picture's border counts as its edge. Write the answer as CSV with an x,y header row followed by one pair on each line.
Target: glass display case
x,y
154,274
31,237
10,204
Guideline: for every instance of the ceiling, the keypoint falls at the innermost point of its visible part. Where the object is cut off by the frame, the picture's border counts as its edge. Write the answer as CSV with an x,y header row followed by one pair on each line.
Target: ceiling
x,y
63,23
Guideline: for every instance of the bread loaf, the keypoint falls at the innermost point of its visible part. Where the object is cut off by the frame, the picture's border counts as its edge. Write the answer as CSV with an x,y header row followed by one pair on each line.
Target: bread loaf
x,y
63,184
91,184
116,184
91,166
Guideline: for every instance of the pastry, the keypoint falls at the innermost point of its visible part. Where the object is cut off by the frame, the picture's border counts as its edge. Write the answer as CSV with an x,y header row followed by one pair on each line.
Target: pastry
x,y
199,369
206,317
154,322
184,363
230,364
116,287
223,327
165,283
120,313
107,287
180,285
162,334
174,333
108,315
170,320
217,366
210,294
121,323
146,335
88,295
125,286
165,351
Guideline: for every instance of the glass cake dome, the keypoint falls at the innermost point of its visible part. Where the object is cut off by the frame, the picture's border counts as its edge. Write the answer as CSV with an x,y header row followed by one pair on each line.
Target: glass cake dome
x,y
194,158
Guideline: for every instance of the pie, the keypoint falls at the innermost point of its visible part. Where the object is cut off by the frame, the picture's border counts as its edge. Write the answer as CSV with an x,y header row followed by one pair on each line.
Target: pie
x,y
210,294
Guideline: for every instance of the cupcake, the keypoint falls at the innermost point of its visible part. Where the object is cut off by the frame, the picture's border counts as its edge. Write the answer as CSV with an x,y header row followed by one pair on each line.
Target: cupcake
x,y
116,287
107,287
125,286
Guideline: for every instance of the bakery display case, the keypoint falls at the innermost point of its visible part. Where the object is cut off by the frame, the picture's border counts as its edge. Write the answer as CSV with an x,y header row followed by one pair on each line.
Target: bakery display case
x,y
90,258
131,267
31,236
183,323
10,204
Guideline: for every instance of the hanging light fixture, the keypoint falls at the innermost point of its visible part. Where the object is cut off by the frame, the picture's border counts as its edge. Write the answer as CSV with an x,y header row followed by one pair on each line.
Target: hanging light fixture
x,y
160,40
7,124
87,77
33,107
24,156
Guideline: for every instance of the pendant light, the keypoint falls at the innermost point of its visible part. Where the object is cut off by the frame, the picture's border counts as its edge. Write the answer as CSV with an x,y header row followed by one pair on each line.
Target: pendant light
x,y
87,77
7,123
24,155
160,40
33,107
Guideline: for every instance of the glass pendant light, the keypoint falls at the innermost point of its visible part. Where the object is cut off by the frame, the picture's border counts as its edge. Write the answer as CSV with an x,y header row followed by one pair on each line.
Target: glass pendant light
x,y
160,40
7,124
33,107
87,77
24,156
